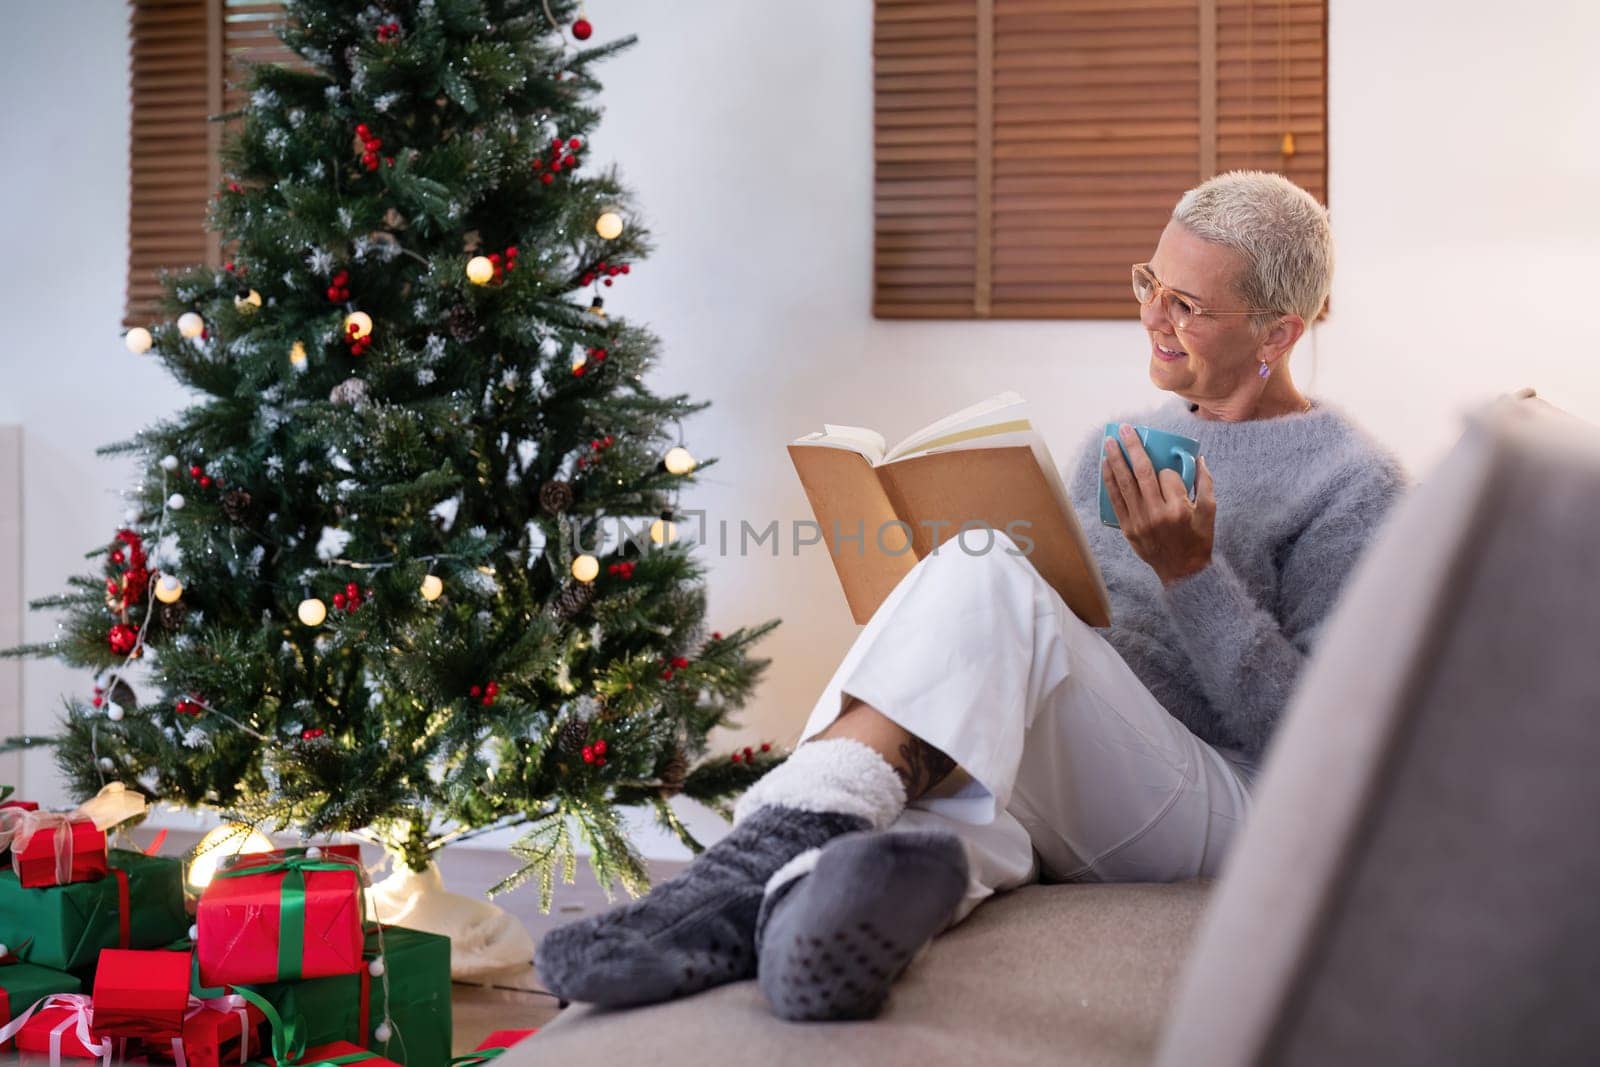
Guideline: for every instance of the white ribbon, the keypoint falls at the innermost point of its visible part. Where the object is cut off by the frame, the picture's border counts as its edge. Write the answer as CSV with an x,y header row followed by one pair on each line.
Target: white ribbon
x,y
80,1007
230,1003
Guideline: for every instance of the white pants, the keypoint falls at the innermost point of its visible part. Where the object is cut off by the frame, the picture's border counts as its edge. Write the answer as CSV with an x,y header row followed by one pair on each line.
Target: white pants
x,y
1072,769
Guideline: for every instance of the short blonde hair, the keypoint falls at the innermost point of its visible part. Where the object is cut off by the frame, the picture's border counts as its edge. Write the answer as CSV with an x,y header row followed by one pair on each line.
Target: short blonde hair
x,y
1279,229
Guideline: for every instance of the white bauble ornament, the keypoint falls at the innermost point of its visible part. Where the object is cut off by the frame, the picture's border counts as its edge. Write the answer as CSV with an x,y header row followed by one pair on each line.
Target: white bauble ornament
x,y
375,968
114,711
176,502
313,853
106,764
382,1032
169,463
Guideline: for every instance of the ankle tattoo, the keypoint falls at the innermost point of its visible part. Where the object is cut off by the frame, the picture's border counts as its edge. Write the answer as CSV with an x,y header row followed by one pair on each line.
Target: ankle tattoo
x,y
924,766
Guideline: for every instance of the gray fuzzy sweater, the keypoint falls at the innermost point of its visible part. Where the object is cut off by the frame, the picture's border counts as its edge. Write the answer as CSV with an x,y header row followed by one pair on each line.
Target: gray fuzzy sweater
x,y
1298,499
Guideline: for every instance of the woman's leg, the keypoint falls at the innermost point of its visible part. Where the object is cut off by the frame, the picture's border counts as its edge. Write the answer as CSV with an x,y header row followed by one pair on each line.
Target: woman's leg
x,y
1063,752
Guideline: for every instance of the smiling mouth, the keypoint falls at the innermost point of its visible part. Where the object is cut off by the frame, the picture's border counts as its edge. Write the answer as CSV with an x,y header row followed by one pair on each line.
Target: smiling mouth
x,y
1163,352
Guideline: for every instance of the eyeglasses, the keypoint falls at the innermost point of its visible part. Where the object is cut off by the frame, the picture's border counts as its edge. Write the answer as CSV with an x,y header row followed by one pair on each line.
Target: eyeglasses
x,y
1181,310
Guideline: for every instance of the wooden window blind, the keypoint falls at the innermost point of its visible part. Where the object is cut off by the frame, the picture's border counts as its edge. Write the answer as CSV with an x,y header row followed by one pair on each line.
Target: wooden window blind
x,y
1026,152
186,63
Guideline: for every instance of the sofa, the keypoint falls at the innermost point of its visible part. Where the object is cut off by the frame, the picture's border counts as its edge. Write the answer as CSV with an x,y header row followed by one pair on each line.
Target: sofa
x,y
1420,882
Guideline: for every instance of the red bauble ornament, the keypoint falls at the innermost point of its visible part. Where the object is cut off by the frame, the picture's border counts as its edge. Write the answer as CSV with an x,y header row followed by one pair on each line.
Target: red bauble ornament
x,y
582,29
122,638
548,178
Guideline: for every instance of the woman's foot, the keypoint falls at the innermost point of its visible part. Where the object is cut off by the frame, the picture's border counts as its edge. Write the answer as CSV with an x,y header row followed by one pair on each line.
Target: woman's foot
x,y
832,941
692,932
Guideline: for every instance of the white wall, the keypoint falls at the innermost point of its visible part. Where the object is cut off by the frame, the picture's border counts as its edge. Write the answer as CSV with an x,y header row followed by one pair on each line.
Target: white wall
x,y
1463,170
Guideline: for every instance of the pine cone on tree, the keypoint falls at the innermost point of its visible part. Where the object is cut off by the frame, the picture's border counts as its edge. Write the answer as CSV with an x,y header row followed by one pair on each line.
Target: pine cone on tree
x,y
673,772
173,616
555,496
573,598
463,325
574,734
236,505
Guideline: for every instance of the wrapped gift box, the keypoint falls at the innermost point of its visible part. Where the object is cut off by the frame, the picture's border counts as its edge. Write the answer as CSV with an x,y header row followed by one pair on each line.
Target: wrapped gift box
x,y
23,985
72,850
494,1044
350,1007
225,1030
59,1026
141,994
339,1053
274,915
140,907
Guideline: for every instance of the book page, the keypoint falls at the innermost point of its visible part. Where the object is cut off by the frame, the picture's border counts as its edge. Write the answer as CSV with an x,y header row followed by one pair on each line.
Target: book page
x,y
869,443
1000,408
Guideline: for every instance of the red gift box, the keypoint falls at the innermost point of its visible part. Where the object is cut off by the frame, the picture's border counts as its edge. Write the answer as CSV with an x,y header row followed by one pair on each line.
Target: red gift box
x,y
48,849
58,1026
354,1055
141,993
22,805
492,1046
278,916
215,1031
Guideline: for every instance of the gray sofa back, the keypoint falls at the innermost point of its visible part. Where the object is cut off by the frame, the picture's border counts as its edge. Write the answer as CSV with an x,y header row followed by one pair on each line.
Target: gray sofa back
x,y
1421,880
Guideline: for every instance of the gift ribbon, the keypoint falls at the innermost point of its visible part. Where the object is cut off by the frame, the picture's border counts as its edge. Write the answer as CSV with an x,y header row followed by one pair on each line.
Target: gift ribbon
x,y
231,1003
14,955
482,1055
79,1007
292,900
18,827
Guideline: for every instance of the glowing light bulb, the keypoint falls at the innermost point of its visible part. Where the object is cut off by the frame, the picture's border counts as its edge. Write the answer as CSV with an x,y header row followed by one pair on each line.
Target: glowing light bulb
x,y
297,354
223,842
190,324
248,302
679,461
169,589
312,611
362,323
138,340
432,588
479,270
609,225
585,568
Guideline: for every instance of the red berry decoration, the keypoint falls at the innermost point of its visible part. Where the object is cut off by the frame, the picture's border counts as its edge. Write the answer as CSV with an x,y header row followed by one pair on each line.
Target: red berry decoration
x,y
313,732
766,746
122,638
737,758
716,635
187,706
600,747
389,31
99,697
475,691
582,29
588,754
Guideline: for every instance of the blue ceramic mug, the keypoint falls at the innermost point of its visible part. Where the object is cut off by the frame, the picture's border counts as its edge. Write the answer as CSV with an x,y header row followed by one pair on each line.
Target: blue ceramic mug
x,y
1167,451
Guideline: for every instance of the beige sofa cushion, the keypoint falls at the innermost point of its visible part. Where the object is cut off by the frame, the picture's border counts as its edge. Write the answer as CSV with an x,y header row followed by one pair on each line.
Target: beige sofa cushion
x,y
1076,974
1420,879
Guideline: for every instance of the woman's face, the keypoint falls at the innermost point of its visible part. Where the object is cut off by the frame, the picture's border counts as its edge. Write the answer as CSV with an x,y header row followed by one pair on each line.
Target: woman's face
x,y
1213,358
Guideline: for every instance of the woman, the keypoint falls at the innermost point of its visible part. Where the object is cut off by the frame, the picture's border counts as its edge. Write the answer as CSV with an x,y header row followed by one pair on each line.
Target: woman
x,y
1026,743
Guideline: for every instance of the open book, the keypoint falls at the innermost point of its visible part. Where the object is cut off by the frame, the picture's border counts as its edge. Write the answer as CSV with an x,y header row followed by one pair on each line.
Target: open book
x,y
985,465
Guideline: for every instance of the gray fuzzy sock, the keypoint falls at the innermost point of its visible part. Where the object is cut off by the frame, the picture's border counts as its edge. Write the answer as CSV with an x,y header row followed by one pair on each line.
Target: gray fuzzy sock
x,y
697,930
832,941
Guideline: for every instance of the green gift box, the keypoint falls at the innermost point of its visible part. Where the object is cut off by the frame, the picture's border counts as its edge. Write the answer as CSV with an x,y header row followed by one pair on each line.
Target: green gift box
x,y
349,1007
70,924
24,984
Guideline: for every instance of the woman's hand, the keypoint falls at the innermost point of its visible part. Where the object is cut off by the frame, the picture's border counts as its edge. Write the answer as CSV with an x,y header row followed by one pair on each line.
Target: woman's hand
x,y
1166,529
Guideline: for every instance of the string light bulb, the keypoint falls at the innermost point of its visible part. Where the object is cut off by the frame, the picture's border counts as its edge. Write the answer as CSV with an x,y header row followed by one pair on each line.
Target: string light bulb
x,y
248,301
297,354
169,589
191,325
223,842
432,588
678,460
664,529
479,270
312,611
138,340
598,308
362,323
609,225
585,568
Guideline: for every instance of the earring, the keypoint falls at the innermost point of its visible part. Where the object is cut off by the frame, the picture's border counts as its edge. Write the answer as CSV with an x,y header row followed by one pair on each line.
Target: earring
x,y
1265,370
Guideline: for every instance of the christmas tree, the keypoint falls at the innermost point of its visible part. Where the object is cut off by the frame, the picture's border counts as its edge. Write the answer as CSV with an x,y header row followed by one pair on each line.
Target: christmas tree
x,y
390,574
